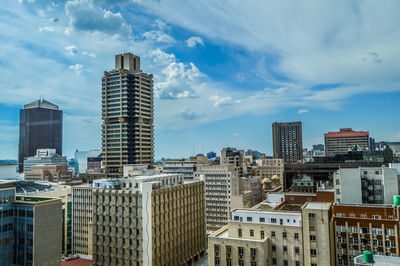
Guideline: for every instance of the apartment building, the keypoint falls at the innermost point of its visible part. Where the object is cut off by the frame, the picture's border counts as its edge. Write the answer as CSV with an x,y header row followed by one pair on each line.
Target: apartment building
x,y
287,140
343,141
82,219
127,113
360,227
31,228
374,185
161,222
256,237
221,182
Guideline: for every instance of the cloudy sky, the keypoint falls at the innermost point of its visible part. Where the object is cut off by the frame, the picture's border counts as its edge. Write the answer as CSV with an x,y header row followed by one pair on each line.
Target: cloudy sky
x,y
223,70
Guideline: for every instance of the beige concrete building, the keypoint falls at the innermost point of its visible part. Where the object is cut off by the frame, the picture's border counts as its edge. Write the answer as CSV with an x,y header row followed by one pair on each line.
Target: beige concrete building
x,y
236,158
82,217
267,168
161,222
51,173
221,182
127,113
258,237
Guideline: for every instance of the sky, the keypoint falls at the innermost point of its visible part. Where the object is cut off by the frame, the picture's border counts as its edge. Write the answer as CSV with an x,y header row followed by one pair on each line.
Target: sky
x,y
224,70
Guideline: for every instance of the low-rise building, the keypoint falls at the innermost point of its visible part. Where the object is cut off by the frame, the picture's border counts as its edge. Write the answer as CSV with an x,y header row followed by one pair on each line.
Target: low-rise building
x,y
267,168
44,157
51,173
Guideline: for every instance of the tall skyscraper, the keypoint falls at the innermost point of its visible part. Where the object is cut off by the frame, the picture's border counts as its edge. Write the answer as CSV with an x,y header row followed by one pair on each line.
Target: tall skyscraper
x,y
287,141
40,127
127,112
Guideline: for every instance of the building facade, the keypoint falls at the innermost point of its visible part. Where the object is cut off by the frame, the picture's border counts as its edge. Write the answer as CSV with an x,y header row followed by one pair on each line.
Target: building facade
x,y
364,227
127,113
287,140
44,157
40,127
221,182
343,141
267,168
154,224
234,157
31,228
374,185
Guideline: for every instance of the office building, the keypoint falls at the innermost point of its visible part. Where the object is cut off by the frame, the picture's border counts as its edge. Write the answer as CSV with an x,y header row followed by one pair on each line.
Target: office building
x,y
31,228
40,127
234,157
287,141
187,167
364,227
44,157
267,168
82,217
51,173
374,185
221,182
127,113
161,222
256,237
345,140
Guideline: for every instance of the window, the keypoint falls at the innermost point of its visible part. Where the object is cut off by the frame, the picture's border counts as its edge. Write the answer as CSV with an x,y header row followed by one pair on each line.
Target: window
x,y
284,248
216,249
297,263
312,238
352,215
340,215
240,232
216,261
338,181
253,263
285,263
228,262
253,252
236,218
251,232
284,235
313,264
296,236
262,234
311,215
262,220
241,263
240,250
378,217
249,219
313,252
297,250
338,191
364,216
273,220
228,249
273,261
273,247
272,233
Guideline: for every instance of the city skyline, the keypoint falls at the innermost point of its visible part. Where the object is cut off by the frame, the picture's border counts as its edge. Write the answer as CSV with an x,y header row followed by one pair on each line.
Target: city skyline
x,y
212,89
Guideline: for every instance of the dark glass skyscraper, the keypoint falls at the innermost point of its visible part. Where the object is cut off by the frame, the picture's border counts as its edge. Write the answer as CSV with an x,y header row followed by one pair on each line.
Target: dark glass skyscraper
x,y
40,127
127,112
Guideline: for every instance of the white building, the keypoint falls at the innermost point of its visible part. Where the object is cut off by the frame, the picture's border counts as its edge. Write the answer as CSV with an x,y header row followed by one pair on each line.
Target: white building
x,y
375,185
8,171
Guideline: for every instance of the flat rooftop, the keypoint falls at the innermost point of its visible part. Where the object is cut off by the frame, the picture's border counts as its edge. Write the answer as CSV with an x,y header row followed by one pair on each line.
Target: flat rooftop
x,y
317,205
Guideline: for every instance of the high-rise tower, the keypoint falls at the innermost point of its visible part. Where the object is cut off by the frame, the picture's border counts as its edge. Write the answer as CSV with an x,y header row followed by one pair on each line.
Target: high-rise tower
x,y
40,127
287,141
127,113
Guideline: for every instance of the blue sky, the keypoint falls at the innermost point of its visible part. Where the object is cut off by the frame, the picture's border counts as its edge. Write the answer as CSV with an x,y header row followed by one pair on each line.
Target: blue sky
x,y
224,71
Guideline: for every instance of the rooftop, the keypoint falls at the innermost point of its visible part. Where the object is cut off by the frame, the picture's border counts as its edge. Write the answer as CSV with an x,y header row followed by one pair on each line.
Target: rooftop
x,y
41,103
30,199
317,205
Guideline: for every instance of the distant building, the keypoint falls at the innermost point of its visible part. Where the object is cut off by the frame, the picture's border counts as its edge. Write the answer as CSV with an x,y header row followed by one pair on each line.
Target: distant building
x,y
374,185
211,155
345,140
51,173
287,141
372,145
82,161
40,128
9,170
31,228
359,227
304,184
44,157
161,222
319,147
187,167
127,113
234,157
267,168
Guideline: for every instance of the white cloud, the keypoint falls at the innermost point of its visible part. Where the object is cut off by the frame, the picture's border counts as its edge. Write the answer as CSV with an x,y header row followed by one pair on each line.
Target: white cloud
x,y
188,114
161,57
77,68
192,41
158,36
46,29
302,111
71,50
85,16
222,101
88,54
